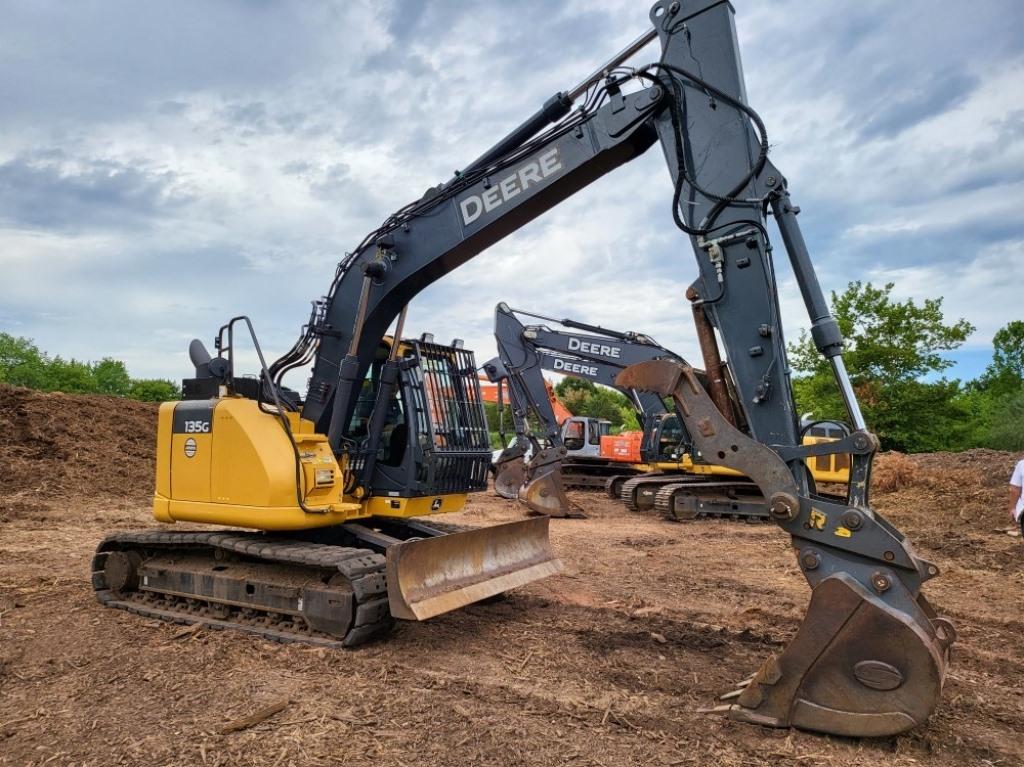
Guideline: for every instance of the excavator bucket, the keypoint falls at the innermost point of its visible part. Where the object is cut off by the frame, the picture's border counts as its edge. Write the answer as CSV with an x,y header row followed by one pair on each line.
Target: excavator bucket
x,y
857,667
508,477
870,657
431,576
543,491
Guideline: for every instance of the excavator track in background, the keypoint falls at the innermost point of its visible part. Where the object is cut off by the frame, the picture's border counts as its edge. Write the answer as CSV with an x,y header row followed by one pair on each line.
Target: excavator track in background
x,y
681,497
637,493
279,589
613,485
683,501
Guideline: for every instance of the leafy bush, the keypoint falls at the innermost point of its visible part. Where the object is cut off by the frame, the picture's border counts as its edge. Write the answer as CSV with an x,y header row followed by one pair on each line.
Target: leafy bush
x,y
23,364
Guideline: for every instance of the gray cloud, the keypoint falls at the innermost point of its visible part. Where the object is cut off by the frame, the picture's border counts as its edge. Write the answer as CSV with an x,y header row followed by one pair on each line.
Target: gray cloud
x,y
168,166
912,102
47,190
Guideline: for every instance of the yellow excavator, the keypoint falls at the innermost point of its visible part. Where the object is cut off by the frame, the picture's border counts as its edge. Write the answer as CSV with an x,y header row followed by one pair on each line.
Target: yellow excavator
x,y
330,488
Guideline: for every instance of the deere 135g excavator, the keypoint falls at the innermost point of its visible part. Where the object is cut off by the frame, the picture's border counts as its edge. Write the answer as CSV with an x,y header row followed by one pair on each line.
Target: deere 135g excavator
x,y
391,428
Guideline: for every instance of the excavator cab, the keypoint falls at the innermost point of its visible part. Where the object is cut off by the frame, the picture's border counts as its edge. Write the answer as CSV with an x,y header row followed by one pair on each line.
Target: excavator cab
x,y
664,439
434,440
581,436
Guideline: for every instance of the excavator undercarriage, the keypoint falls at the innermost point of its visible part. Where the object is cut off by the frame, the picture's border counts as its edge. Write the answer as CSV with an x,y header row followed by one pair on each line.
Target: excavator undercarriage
x,y
341,586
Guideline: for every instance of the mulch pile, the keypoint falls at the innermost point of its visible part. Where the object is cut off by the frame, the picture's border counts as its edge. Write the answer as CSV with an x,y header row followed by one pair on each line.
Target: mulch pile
x,y
55,445
948,490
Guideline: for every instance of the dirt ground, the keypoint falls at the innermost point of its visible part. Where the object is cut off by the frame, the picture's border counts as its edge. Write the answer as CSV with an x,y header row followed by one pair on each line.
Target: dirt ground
x,y
606,664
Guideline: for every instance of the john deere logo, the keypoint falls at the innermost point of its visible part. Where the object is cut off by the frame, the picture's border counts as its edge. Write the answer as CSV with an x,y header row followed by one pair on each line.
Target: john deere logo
x,y
190,447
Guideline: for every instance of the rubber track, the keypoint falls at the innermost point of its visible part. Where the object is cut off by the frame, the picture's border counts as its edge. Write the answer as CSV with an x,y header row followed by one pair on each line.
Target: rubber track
x,y
628,496
363,568
663,502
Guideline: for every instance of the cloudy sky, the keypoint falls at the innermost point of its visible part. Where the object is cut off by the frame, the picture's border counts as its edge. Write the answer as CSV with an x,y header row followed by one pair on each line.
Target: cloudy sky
x,y
165,166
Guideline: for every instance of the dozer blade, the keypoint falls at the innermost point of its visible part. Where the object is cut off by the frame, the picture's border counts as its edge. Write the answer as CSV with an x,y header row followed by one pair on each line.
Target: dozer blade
x,y
857,666
543,491
509,477
431,576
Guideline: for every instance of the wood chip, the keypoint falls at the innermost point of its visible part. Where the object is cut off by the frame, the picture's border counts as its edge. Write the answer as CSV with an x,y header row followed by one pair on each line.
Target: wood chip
x,y
659,638
187,631
260,715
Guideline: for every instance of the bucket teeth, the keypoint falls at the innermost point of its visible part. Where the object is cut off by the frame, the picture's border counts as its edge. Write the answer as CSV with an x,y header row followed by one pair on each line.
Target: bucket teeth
x,y
720,710
738,690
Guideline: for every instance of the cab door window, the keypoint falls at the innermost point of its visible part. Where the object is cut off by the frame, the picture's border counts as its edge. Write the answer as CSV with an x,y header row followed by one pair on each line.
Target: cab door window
x,y
573,436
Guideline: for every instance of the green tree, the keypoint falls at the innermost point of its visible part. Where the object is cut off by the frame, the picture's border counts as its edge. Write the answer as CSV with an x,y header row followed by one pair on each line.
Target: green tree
x,y
21,362
154,390
112,377
584,398
997,397
1008,354
70,376
1005,423
891,346
570,386
1005,374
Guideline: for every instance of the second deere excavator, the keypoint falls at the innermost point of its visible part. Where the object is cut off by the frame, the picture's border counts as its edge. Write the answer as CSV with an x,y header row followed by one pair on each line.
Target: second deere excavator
x,y
390,428
669,473
558,456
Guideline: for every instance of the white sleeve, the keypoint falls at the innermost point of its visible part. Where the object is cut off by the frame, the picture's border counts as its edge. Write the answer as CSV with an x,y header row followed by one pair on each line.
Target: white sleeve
x,y
1017,480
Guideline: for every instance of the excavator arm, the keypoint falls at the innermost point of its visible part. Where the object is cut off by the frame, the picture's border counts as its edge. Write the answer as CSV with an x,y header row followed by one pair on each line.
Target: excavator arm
x,y
597,356
531,395
871,655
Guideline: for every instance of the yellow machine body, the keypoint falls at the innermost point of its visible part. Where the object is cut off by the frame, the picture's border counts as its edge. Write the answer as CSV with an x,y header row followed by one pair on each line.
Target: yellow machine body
x,y
824,468
227,462
828,468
